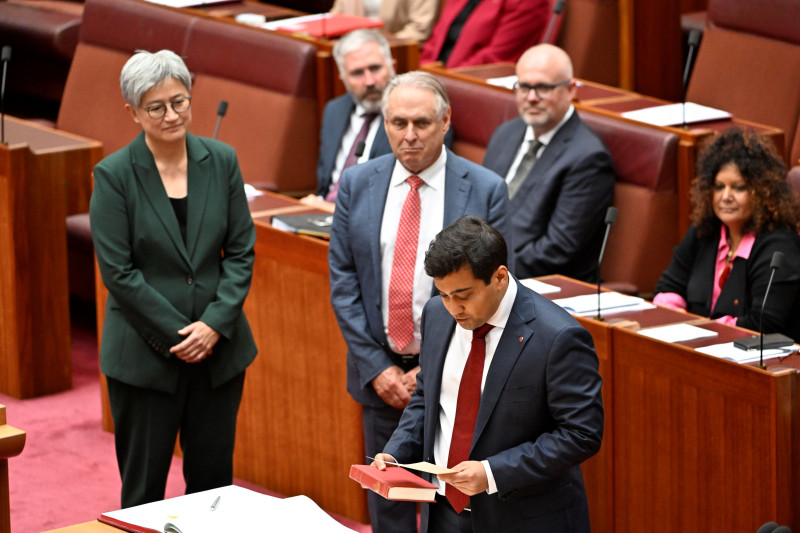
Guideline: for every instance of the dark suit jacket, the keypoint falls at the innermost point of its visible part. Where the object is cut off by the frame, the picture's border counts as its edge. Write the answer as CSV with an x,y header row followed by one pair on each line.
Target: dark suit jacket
x,y
496,31
355,255
335,120
691,275
557,215
540,416
157,284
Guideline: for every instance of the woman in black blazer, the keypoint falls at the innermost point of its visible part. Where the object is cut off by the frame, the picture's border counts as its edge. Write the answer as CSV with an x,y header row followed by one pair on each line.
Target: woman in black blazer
x,y
744,211
174,241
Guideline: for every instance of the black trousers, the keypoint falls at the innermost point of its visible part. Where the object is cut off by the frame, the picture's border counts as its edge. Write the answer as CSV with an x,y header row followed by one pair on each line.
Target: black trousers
x,y
147,423
385,516
442,518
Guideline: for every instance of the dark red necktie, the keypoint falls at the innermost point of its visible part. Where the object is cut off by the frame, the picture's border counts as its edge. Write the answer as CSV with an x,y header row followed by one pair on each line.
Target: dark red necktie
x,y
469,400
351,158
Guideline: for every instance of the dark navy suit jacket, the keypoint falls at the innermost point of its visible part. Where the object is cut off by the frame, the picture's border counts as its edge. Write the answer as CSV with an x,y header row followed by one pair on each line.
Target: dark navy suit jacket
x,y
335,120
355,256
557,216
540,416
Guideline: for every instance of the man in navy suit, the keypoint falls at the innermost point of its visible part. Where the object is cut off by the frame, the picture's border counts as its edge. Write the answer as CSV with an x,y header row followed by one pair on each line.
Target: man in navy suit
x,y
539,412
379,310
559,173
365,67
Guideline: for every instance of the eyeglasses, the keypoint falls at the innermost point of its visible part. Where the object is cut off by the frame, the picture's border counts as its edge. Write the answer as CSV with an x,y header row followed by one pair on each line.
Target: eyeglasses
x,y
542,90
179,105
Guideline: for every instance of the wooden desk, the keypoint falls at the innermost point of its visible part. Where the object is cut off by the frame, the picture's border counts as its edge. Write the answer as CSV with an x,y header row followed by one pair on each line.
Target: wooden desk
x,y
12,441
693,442
612,102
87,527
298,429
44,175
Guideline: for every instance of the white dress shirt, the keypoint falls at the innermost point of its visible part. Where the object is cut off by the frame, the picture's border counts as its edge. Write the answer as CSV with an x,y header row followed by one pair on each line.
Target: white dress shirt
x,y
454,363
544,138
431,196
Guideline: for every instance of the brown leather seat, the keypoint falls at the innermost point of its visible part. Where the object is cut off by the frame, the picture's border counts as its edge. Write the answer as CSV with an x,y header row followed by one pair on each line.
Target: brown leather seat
x,y
749,64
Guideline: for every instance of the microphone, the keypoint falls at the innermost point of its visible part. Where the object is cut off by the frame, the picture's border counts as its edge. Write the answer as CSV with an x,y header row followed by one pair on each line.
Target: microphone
x,y
611,217
557,9
359,151
777,260
693,41
221,110
5,56
769,527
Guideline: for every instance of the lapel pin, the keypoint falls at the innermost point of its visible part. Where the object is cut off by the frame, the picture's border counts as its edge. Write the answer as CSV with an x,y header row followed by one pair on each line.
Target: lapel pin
x,y
520,339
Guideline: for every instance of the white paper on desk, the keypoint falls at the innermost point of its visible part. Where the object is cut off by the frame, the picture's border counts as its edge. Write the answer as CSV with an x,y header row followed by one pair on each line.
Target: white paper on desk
x,y
504,81
540,286
672,114
238,509
285,23
251,192
609,302
727,350
186,3
677,333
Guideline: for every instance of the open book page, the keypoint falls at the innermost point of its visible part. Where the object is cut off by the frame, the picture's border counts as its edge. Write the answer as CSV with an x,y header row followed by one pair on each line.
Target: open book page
x,y
673,114
237,509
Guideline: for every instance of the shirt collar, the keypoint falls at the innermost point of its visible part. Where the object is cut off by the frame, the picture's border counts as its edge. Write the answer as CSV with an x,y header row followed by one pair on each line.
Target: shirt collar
x,y
547,136
433,176
500,317
745,245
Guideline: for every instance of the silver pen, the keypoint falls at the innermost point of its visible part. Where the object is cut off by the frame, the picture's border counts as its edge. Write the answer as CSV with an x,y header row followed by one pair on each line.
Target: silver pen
x,y
214,505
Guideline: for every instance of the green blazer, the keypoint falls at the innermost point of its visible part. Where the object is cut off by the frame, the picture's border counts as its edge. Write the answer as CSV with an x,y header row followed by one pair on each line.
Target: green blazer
x,y
157,284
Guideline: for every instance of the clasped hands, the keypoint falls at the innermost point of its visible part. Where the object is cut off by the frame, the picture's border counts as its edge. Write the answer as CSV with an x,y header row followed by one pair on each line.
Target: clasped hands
x,y
470,476
198,344
395,387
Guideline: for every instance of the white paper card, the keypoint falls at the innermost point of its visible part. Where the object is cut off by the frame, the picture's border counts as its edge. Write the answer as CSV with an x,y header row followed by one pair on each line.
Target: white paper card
x,y
540,286
677,333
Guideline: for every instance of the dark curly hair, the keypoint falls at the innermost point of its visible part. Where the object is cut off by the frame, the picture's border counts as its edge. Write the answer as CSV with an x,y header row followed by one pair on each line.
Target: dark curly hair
x,y
774,202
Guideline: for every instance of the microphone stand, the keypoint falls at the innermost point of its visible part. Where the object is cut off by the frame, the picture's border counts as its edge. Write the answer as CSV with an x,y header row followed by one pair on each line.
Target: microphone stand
x,y
611,217
693,41
5,56
777,259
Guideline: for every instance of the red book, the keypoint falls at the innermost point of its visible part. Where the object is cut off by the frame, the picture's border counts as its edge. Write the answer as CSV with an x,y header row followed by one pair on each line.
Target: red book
x,y
394,483
329,25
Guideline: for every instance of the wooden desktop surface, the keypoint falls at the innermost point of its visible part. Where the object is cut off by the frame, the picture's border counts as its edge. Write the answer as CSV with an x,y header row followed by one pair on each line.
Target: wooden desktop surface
x,y
684,431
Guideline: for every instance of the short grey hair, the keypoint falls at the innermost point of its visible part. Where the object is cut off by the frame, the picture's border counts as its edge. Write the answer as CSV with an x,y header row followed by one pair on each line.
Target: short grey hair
x,y
356,39
144,70
420,80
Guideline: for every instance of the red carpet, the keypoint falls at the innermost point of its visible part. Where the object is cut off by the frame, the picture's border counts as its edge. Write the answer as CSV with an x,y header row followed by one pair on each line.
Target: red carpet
x,y
67,473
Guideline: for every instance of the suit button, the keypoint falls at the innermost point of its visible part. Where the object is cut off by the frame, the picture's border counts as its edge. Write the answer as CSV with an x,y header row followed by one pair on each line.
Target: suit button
x,y
189,279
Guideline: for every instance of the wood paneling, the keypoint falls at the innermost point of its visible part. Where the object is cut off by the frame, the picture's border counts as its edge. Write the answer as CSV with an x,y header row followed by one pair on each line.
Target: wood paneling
x,y
37,171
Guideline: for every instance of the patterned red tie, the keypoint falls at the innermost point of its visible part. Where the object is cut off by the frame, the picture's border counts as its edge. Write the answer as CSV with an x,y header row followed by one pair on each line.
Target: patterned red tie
x,y
469,400
401,283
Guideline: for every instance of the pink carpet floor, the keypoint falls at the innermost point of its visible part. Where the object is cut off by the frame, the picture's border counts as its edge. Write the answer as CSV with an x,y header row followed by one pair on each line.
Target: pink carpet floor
x,y
67,473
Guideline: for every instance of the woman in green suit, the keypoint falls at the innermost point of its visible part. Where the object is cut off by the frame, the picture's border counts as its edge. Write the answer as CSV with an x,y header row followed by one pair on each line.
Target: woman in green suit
x,y
174,242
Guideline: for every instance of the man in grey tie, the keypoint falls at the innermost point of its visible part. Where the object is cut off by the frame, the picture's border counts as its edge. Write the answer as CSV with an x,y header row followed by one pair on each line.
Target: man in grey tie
x,y
559,173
